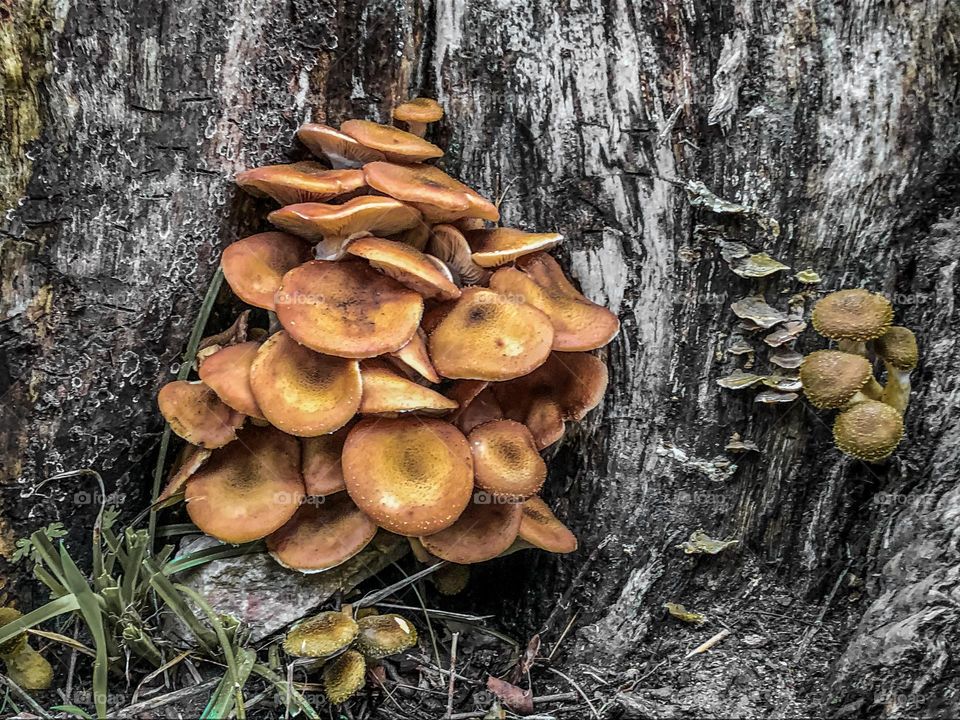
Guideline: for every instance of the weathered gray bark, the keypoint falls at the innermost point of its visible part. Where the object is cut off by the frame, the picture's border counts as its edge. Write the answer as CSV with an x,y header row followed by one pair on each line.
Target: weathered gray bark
x,y
125,122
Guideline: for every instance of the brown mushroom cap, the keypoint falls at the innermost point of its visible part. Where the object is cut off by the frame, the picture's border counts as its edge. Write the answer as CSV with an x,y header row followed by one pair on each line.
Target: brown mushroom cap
x,y
406,265
418,110
395,144
248,489
566,387
320,461
578,323
449,245
506,461
254,265
340,149
831,378
227,373
387,392
413,476
868,431
482,532
321,635
191,459
492,248
898,348
344,676
541,528
381,636
300,182
852,315
302,392
487,336
347,309
322,535
437,195
196,414
414,356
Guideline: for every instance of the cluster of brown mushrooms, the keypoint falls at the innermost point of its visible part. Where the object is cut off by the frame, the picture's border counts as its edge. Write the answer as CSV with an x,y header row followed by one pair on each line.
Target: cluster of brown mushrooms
x,y
417,363
870,424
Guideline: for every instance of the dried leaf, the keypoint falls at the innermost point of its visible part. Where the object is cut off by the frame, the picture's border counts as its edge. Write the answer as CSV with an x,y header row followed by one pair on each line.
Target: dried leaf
x,y
755,309
758,265
738,380
808,277
681,613
702,544
517,700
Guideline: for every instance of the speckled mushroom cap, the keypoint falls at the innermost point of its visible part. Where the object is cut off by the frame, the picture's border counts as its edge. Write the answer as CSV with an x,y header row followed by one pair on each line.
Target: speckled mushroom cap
x,y
852,315
321,635
322,535
395,144
387,392
578,323
489,336
302,392
449,245
451,579
418,110
898,347
868,431
437,195
414,357
831,378
347,309
407,265
254,266
344,676
413,476
484,530
248,489
497,246
383,635
196,414
320,462
506,462
300,182
341,150
541,528
227,373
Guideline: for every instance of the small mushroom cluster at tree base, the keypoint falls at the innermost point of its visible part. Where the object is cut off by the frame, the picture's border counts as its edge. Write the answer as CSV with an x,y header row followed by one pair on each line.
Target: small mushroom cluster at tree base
x,y
418,363
870,424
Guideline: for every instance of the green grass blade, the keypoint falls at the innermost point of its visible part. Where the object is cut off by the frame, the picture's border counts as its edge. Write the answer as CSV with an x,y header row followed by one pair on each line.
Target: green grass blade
x,y
285,690
54,608
218,552
175,602
224,699
74,711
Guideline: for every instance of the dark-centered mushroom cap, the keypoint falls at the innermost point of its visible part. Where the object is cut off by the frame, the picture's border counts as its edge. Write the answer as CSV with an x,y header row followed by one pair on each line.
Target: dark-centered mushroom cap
x,y
248,489
322,535
541,528
254,266
300,182
414,357
831,378
303,392
852,315
489,336
227,373
321,635
578,323
320,462
492,248
407,265
449,246
438,196
898,347
506,461
868,431
196,414
386,392
395,144
340,149
418,110
347,309
413,476
383,635
344,676
482,532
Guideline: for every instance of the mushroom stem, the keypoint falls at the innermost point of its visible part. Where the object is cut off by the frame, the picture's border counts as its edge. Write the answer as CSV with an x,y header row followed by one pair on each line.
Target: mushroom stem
x,y
873,390
274,324
896,393
854,347
416,128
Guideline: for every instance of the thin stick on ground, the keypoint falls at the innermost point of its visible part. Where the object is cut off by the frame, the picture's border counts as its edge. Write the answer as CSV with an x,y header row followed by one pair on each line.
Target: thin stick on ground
x,y
453,673
708,644
167,699
576,687
542,700
23,695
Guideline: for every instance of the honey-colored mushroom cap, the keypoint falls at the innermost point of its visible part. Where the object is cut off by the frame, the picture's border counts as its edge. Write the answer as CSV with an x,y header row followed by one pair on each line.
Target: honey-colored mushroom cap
x,y
488,336
321,635
344,676
852,315
190,459
578,323
438,196
414,357
418,110
254,266
868,431
340,149
227,373
506,461
249,488
381,636
483,531
302,392
541,528
831,378
898,348
386,392
347,309
196,414
413,476
492,248
406,265
320,462
395,144
322,535
300,182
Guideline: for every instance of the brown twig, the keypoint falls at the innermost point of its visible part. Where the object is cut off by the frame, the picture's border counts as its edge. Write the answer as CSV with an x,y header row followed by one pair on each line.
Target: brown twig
x,y
453,673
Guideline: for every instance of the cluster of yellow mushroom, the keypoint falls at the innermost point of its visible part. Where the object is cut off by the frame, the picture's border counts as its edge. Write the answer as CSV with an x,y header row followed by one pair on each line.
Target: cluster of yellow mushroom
x,y
418,362
870,424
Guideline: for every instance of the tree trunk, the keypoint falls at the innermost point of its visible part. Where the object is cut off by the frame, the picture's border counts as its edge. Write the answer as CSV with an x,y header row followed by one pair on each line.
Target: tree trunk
x,y
125,122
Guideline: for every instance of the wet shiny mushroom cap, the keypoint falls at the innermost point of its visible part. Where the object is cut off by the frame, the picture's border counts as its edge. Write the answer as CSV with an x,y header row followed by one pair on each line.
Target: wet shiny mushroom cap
x,y
322,535
347,309
321,635
386,392
898,348
484,530
541,528
196,414
406,265
506,461
300,182
578,323
254,266
344,676
852,315
438,196
489,336
227,373
869,431
249,488
414,357
395,144
302,392
341,150
381,636
413,476
320,462
831,378
495,247
417,113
